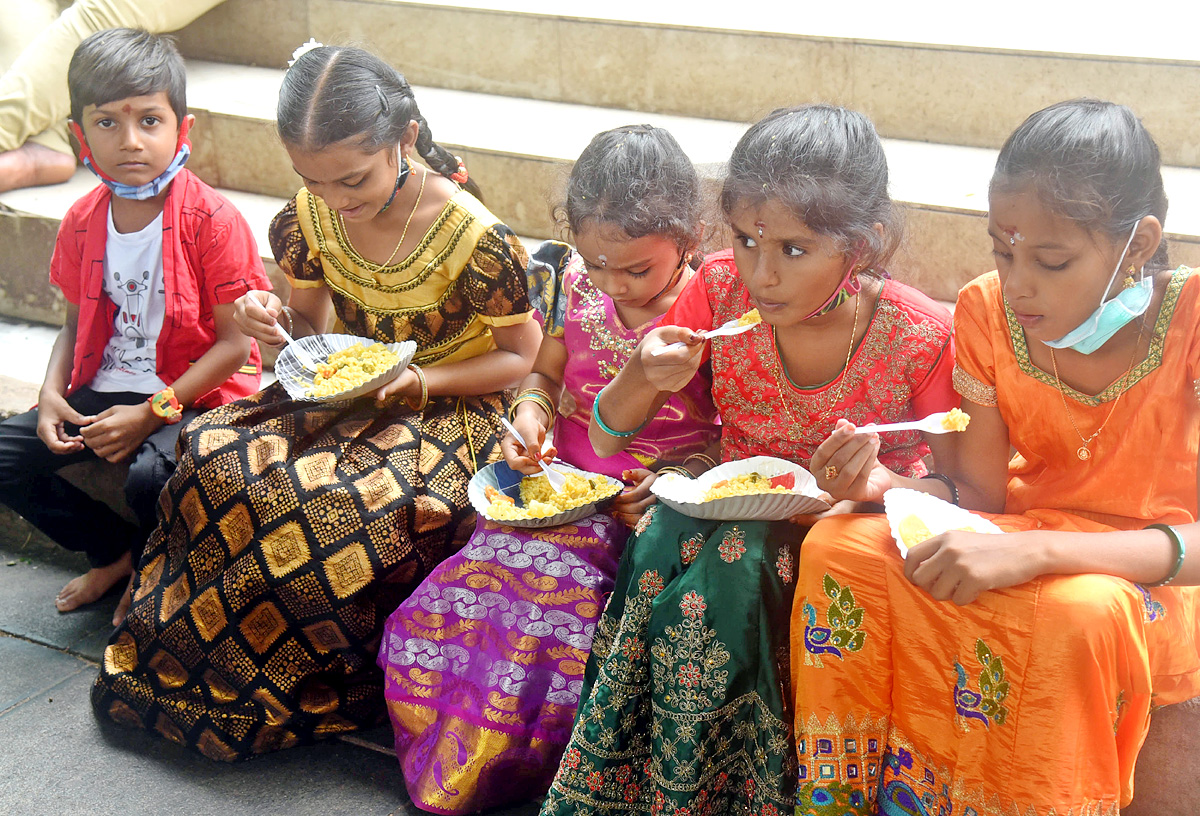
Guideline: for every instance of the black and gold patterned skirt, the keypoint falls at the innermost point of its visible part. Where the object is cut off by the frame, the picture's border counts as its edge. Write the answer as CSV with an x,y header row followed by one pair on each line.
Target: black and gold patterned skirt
x,y
288,533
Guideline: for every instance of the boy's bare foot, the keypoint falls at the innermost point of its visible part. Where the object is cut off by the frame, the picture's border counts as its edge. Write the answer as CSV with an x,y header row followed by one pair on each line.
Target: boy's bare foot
x,y
91,586
32,165
124,604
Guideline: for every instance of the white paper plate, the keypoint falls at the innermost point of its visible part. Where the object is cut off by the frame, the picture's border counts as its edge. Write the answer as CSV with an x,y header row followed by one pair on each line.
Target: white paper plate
x,y
938,515
684,495
296,379
500,476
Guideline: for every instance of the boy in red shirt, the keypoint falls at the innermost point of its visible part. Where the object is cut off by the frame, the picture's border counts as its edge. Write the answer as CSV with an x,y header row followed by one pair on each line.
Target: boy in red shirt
x,y
150,263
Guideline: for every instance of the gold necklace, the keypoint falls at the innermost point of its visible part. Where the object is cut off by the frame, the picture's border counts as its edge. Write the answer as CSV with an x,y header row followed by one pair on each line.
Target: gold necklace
x,y
1083,451
846,365
403,234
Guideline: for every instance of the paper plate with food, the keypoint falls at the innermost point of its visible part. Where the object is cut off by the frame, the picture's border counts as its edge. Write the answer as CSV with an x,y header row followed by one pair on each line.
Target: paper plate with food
x,y
345,366
915,516
501,494
761,488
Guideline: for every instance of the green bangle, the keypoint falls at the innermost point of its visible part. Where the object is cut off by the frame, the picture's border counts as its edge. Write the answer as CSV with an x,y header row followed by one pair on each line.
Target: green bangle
x,y
1180,552
676,469
604,427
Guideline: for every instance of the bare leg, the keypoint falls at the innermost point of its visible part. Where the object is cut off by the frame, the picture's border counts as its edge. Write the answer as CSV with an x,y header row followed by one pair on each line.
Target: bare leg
x,y
91,586
32,165
124,604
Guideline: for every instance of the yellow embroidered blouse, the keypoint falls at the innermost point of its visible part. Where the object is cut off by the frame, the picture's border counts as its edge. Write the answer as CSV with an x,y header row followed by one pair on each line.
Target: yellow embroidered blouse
x,y
466,275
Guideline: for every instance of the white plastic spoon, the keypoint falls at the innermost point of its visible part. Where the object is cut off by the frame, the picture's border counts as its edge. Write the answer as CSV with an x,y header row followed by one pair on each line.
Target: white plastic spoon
x,y
556,479
727,329
303,356
930,424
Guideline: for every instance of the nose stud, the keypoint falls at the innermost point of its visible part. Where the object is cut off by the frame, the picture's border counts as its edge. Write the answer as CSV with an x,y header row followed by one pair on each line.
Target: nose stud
x,y
603,261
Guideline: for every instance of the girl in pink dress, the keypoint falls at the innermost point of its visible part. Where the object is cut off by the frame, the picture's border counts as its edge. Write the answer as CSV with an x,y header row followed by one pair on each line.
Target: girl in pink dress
x,y
484,662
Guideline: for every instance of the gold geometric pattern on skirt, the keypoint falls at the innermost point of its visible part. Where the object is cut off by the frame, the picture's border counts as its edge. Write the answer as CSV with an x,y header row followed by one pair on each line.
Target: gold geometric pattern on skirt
x,y
288,533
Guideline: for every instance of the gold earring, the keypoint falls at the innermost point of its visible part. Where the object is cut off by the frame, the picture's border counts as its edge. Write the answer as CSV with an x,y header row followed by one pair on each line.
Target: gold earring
x,y
1129,282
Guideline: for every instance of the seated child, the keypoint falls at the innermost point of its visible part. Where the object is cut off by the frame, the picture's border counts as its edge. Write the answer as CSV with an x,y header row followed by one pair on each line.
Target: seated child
x,y
150,263
484,660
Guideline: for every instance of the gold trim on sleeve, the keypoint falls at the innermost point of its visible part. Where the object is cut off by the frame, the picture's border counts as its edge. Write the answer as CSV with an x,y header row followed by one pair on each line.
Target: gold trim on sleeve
x,y
973,389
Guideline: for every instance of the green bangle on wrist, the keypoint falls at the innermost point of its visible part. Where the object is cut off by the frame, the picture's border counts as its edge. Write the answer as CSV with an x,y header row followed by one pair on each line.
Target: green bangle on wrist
x,y
1180,552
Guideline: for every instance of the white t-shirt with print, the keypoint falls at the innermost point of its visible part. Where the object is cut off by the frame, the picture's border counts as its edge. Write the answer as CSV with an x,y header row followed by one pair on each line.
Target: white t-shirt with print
x,y
133,280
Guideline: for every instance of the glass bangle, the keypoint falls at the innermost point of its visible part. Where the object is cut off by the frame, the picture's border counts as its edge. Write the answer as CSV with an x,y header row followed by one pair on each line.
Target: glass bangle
x,y
948,482
1180,552
604,427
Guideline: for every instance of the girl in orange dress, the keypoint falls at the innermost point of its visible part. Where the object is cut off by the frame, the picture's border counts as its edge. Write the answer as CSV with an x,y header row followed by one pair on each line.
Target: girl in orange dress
x,y
1016,673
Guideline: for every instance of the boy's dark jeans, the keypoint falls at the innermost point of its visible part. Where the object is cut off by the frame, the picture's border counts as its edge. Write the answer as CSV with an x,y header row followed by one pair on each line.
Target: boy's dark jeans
x,y
30,485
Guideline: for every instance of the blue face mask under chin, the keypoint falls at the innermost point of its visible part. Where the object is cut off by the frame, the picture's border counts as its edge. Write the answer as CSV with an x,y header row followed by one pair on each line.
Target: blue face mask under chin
x,y
1111,315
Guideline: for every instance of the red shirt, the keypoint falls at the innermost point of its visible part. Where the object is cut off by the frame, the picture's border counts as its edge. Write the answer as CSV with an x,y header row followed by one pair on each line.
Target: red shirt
x,y
209,258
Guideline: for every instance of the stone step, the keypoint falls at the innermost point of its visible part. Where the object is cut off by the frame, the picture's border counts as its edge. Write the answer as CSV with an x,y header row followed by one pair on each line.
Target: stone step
x,y
943,187
938,72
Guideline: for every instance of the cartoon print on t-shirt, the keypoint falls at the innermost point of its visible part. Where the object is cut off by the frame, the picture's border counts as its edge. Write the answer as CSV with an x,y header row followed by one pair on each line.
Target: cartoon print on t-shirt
x,y
129,296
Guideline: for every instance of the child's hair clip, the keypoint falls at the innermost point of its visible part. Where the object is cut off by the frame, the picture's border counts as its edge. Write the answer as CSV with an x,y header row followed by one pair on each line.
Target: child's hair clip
x,y
459,176
304,49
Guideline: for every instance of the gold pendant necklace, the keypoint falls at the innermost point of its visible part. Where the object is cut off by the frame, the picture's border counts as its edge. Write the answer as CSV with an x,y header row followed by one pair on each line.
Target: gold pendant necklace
x,y
404,233
1084,450
780,375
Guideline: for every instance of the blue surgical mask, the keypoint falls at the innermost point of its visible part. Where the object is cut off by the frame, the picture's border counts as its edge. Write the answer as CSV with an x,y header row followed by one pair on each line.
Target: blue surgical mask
x,y
1111,315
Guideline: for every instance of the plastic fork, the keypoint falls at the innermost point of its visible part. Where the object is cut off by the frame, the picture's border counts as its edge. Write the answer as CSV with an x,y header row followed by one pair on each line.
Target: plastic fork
x,y
556,479
303,356
930,424
727,329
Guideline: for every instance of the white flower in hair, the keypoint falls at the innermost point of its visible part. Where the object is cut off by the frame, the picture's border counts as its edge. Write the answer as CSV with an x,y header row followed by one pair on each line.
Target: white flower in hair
x,y
304,49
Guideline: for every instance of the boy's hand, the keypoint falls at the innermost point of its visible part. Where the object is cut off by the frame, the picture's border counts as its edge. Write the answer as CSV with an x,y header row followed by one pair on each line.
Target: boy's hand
x,y
256,313
116,433
634,500
53,414
672,370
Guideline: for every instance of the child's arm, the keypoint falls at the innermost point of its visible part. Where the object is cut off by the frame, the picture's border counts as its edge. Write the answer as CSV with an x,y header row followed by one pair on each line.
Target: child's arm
x,y
116,433
530,418
516,349
642,386
53,410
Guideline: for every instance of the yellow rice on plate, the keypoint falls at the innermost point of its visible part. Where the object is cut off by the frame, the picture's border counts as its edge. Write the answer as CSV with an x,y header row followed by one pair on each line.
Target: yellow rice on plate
x,y
350,368
540,500
744,484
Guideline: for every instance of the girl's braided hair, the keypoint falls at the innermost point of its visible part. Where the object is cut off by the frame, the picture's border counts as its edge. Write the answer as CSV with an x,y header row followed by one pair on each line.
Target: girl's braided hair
x,y
335,93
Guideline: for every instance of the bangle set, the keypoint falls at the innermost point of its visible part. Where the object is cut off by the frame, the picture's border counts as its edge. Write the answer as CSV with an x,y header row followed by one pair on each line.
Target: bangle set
x,y
676,469
948,482
416,369
539,397
604,426
706,460
286,310
1180,552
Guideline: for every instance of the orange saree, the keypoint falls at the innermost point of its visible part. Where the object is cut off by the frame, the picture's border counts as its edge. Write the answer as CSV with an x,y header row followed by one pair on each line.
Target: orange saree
x,y
1033,700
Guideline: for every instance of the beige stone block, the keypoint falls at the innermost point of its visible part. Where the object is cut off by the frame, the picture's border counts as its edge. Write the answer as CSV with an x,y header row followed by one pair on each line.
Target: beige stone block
x,y
975,97
25,290
942,250
519,190
698,72
468,49
249,32
242,153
